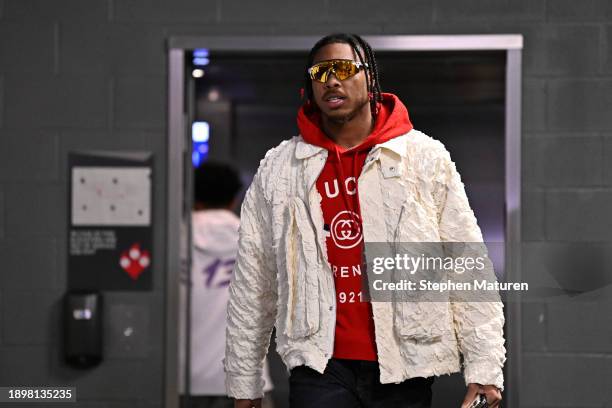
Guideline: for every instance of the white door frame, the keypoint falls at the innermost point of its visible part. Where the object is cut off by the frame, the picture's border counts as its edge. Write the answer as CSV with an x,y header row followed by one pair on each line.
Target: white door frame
x,y
177,157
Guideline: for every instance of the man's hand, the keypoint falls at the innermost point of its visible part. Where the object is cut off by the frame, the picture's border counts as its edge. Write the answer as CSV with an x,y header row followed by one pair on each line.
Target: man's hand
x,y
247,403
490,391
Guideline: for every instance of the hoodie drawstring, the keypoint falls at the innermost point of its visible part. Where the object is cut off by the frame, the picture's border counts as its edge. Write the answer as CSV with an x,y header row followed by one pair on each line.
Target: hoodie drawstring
x,y
340,171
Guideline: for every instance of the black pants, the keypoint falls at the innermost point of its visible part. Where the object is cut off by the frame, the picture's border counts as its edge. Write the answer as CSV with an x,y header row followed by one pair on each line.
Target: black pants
x,y
354,384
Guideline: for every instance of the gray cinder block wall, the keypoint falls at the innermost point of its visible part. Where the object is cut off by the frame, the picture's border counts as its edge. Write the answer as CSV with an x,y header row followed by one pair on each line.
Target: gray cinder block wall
x,y
92,74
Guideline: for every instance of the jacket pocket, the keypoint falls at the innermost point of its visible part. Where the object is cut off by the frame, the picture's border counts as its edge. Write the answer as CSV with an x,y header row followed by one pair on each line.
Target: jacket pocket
x,y
422,321
422,315
303,309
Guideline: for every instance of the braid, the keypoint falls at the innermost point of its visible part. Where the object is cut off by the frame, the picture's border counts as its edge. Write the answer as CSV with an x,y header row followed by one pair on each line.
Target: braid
x,y
373,69
357,44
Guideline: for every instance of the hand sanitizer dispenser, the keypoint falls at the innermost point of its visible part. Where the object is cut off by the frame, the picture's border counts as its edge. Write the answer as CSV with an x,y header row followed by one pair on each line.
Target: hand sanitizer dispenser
x,y
83,329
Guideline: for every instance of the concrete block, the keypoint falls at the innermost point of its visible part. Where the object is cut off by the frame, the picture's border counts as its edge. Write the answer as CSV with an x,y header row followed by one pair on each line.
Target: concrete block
x,y
562,50
532,214
29,264
1,101
492,10
29,155
580,326
99,404
150,404
533,322
128,331
420,11
477,26
534,97
71,140
580,104
159,11
607,51
275,11
140,102
104,48
537,271
122,380
607,153
416,28
577,215
65,10
127,310
320,30
24,365
27,47
553,380
34,208
59,101
580,270
2,214
29,318
572,160
216,28
586,10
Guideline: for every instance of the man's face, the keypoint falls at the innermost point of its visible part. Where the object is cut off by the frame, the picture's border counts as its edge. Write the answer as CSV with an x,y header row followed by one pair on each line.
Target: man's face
x,y
353,89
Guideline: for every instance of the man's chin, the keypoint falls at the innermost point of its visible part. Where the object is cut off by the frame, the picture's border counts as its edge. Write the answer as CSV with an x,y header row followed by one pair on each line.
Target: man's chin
x,y
339,115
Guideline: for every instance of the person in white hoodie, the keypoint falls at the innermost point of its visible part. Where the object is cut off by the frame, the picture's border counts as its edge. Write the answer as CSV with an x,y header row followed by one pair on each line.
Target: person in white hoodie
x,y
214,246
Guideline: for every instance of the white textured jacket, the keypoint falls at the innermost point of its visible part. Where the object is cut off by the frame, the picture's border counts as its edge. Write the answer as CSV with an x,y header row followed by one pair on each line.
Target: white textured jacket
x,y
409,190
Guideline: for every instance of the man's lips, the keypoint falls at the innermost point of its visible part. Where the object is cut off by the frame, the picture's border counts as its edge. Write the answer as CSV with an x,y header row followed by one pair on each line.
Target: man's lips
x,y
334,100
333,94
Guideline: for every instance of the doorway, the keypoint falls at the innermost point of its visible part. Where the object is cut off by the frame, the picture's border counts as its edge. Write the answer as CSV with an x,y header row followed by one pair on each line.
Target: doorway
x,y
463,90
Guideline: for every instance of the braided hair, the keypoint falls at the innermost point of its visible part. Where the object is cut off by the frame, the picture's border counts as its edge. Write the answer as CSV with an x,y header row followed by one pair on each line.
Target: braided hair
x,y
359,45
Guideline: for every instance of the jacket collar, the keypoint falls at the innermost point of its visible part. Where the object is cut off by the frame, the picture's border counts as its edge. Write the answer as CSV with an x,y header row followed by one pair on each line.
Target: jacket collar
x,y
396,145
304,150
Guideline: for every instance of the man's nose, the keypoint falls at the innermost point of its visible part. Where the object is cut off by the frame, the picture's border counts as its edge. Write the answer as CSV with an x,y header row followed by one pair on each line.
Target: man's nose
x,y
332,81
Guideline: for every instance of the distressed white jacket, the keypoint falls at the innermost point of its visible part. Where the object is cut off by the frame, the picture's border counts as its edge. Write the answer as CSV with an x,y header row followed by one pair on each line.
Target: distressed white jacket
x,y
410,191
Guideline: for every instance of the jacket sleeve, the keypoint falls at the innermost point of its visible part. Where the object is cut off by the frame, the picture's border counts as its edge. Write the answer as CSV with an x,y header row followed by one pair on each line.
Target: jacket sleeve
x,y
478,323
253,294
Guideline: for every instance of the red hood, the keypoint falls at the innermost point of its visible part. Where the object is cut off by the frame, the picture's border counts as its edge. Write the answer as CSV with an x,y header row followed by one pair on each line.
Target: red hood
x,y
392,121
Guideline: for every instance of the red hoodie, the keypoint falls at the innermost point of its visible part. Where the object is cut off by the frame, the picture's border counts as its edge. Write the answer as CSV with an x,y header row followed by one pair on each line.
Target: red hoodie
x,y
337,184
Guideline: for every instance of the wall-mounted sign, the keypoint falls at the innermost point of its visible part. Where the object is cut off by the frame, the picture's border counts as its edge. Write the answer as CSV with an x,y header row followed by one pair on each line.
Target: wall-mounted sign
x,y
109,232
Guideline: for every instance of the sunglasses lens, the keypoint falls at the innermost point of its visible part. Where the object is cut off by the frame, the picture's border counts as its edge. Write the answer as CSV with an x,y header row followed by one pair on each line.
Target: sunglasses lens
x,y
344,70
320,72
341,68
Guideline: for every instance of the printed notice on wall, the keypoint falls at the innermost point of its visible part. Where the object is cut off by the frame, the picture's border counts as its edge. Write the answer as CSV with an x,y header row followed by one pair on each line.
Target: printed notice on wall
x,y
110,228
111,196
89,242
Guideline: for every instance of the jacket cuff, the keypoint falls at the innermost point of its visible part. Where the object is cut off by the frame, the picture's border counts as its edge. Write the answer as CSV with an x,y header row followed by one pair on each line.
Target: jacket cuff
x,y
485,373
244,386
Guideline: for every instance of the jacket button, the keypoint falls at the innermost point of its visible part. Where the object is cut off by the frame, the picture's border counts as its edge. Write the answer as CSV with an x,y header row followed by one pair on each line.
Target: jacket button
x,y
331,308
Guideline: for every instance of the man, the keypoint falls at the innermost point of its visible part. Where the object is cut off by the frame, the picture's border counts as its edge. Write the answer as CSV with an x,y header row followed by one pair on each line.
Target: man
x,y
357,173
214,246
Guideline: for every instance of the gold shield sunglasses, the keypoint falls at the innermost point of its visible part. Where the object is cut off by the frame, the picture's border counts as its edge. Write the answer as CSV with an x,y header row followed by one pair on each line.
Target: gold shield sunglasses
x,y
341,68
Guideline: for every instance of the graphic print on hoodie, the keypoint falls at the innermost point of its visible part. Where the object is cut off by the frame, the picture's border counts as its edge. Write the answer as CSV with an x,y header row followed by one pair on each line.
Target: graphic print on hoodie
x,y
337,184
